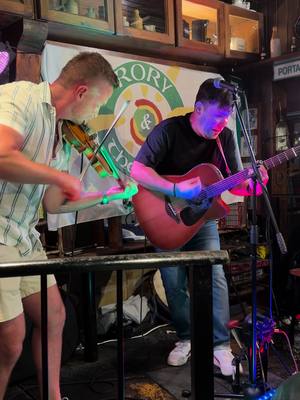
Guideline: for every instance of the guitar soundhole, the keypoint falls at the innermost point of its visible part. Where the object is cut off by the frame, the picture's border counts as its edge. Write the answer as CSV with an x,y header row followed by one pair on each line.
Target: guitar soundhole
x,y
193,212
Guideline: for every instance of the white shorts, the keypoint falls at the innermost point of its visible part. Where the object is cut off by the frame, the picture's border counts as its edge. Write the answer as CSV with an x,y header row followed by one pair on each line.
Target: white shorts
x,y
14,289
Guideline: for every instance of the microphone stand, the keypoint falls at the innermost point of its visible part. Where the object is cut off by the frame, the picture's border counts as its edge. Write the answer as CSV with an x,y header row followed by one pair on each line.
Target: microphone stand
x,y
254,390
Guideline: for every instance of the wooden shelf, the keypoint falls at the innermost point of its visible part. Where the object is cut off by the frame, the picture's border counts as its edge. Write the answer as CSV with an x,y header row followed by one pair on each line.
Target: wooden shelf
x,y
134,46
156,21
267,63
91,14
200,26
243,30
81,22
247,291
24,7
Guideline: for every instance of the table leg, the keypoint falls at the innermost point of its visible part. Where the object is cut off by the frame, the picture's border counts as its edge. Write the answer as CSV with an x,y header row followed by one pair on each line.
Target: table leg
x,y
202,370
89,316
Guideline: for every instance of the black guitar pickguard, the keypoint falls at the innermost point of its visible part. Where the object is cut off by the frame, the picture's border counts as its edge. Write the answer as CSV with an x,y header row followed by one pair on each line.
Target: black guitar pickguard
x,y
193,212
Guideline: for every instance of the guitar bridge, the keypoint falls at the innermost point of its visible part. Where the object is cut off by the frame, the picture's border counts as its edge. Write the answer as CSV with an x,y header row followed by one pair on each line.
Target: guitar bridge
x,y
170,210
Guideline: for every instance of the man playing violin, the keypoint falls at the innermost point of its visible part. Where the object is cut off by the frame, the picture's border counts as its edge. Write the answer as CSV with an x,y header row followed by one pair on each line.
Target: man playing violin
x,y
174,147
32,157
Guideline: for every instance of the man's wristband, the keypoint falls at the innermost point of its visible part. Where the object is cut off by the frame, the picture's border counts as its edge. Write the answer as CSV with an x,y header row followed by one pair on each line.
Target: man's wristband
x,y
174,190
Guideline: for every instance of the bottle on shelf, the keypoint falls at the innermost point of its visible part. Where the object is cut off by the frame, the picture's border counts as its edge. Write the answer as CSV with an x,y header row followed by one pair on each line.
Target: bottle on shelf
x,y
281,133
293,44
263,53
275,44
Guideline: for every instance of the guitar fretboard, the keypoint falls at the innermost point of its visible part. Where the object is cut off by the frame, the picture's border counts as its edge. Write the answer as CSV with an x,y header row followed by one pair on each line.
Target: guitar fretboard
x,y
229,183
286,155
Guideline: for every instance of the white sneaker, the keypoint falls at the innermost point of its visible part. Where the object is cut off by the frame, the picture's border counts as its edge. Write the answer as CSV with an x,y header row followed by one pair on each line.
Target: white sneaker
x,y
180,354
224,360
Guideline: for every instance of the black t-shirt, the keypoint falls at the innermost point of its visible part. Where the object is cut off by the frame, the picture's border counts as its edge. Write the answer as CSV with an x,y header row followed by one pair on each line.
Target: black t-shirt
x,y
173,148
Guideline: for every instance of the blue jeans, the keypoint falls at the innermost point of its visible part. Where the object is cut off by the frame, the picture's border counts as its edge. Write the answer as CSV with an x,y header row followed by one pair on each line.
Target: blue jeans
x,y
175,282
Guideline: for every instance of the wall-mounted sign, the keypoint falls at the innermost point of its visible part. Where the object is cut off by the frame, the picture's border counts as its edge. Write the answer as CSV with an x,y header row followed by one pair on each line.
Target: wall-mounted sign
x,y
285,70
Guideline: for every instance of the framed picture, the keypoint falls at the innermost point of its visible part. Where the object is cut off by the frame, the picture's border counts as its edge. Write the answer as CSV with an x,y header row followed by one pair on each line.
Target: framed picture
x,y
244,148
253,118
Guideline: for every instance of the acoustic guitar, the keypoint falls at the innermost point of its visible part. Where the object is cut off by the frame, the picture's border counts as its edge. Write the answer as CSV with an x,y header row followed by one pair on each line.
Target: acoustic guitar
x,y
170,222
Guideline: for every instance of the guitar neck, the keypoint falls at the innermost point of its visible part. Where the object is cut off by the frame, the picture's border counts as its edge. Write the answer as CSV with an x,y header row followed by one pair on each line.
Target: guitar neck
x,y
286,155
226,184
232,181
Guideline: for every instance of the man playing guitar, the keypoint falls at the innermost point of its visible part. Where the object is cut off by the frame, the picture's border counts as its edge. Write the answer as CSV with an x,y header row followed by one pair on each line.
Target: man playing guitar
x,y
174,147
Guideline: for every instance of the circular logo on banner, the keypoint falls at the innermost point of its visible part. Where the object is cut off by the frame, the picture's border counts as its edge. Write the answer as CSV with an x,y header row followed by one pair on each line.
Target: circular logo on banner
x,y
153,97
145,117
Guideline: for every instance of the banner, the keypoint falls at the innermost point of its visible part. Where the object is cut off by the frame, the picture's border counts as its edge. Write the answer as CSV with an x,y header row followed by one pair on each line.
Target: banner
x,y
155,91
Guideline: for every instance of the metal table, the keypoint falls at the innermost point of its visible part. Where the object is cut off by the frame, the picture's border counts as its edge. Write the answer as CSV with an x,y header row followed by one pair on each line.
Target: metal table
x,y
199,263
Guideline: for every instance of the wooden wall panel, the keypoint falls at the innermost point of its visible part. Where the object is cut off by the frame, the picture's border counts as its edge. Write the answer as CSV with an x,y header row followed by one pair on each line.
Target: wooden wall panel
x,y
282,13
28,67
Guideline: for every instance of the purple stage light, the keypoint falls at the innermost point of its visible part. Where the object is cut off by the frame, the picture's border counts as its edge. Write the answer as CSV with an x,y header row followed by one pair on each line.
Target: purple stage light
x,y
4,60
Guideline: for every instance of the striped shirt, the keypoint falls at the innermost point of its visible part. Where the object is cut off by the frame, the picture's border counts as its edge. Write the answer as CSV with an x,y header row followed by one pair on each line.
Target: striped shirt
x,y
26,107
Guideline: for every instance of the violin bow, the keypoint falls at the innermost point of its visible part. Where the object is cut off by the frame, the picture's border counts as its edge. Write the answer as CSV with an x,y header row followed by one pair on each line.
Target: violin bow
x,y
122,110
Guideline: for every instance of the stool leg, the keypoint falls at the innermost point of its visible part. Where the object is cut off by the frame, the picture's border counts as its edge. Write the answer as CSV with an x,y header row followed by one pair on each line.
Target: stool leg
x,y
120,335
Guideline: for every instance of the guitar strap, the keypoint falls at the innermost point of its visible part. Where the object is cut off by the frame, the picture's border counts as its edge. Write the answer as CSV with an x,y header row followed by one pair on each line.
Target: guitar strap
x,y
223,155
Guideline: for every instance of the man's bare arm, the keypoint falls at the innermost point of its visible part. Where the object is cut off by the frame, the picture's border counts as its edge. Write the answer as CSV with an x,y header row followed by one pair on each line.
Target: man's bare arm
x,y
15,167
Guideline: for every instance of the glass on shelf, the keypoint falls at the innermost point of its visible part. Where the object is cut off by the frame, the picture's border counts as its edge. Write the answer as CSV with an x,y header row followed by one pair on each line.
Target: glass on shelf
x,y
145,15
95,9
244,34
199,22
64,6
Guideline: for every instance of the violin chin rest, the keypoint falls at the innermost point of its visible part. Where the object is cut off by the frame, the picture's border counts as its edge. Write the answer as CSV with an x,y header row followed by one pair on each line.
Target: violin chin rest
x,y
53,199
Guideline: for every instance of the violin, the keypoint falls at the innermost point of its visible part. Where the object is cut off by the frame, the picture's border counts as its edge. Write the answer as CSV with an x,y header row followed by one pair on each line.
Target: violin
x,y
99,158
78,137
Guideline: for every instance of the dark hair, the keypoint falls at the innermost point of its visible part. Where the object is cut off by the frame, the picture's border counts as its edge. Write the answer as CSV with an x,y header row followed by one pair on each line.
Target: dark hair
x,y
209,93
85,68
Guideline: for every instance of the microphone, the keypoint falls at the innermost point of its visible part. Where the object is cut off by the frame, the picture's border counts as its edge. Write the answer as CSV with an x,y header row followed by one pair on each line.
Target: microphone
x,y
221,84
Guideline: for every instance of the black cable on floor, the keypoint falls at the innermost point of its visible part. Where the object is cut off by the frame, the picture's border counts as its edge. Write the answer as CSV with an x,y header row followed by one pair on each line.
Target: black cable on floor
x,y
281,360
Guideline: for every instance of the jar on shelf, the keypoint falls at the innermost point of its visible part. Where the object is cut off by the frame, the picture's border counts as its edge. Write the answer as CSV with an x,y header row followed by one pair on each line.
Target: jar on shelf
x,y
125,21
71,7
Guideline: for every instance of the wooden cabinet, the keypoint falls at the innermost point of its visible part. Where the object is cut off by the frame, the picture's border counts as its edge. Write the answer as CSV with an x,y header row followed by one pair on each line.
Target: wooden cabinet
x,y
22,7
212,27
200,25
149,20
243,32
207,31
94,14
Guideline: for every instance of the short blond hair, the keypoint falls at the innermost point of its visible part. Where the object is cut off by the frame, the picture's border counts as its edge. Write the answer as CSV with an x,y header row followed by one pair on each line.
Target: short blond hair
x,y
87,67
